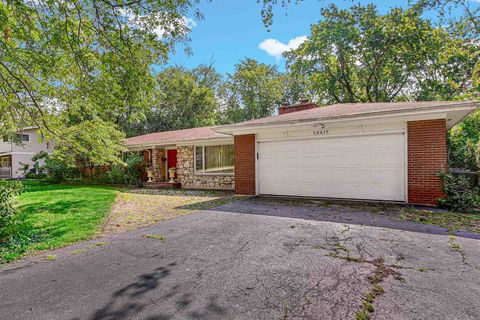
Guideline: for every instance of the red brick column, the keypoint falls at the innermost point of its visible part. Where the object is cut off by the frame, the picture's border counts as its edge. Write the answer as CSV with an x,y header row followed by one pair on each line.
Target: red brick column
x,y
427,156
244,148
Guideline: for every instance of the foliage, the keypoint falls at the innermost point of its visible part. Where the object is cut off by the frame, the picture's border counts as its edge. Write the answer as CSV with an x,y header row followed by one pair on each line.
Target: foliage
x,y
450,220
68,66
58,171
460,196
357,55
464,143
100,148
296,87
269,6
8,191
253,91
463,140
128,173
53,169
201,97
13,232
25,168
183,99
58,215
468,21
38,171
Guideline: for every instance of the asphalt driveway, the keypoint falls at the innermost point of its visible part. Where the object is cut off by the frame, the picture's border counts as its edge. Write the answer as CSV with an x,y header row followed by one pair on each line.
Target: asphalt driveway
x,y
255,259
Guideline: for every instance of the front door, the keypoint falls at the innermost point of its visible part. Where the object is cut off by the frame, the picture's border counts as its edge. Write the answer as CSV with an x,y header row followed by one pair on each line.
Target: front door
x,y
172,159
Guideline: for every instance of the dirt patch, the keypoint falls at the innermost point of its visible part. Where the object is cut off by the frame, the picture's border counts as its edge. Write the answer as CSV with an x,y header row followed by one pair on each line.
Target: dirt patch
x,y
142,207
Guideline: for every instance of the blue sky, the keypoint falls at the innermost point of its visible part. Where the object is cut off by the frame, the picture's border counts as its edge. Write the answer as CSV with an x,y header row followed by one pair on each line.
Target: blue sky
x,y
233,30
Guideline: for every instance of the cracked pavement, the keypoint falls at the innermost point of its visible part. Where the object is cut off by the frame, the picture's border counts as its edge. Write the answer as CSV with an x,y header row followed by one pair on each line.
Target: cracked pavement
x,y
253,259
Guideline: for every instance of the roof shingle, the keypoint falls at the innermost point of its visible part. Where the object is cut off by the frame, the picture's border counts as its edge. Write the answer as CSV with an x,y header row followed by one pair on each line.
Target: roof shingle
x,y
170,137
347,110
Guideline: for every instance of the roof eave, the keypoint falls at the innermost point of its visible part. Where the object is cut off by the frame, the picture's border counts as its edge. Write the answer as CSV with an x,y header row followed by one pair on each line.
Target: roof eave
x,y
156,144
230,129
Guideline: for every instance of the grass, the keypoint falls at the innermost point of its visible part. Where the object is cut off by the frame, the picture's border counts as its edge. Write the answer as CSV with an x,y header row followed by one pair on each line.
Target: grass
x,y
448,220
143,207
57,215
53,216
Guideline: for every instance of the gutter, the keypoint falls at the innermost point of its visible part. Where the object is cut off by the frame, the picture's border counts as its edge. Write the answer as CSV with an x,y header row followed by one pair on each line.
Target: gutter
x,y
176,143
377,114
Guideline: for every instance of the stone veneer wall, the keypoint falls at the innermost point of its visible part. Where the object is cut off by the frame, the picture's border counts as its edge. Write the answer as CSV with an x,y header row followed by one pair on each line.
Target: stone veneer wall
x,y
158,165
186,173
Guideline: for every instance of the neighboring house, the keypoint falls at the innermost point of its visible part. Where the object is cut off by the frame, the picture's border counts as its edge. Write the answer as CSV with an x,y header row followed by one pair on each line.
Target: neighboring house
x,y
20,150
374,151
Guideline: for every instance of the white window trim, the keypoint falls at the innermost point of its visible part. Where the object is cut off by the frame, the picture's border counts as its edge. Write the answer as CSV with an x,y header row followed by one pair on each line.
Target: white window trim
x,y
203,161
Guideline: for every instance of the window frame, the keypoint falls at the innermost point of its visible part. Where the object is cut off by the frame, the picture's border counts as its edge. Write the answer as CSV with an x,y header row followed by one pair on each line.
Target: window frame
x,y
8,161
203,173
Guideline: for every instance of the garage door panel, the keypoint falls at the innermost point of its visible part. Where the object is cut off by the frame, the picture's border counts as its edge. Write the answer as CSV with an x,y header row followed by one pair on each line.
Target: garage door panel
x,y
365,167
347,176
332,191
387,161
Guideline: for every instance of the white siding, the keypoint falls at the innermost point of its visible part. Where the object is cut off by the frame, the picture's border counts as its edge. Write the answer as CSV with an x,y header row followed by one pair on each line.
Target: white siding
x,y
24,152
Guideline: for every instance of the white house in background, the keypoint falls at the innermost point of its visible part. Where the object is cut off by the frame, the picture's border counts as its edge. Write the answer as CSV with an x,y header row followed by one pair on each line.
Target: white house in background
x,y
15,152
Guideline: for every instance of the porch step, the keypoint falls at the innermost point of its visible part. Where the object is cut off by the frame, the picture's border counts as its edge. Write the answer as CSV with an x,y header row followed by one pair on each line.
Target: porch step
x,y
162,185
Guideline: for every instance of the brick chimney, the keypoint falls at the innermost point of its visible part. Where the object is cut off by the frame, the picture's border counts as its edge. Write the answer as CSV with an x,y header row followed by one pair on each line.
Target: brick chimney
x,y
304,104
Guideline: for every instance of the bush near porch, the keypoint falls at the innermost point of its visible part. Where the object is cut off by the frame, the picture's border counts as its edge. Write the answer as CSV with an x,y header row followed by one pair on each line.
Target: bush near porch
x,y
56,171
460,196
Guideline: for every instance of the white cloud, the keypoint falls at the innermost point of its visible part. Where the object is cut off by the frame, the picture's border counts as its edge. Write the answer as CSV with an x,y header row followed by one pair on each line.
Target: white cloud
x,y
276,48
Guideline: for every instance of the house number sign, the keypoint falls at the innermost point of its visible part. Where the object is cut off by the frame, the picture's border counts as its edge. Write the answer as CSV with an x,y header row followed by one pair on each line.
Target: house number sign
x,y
320,129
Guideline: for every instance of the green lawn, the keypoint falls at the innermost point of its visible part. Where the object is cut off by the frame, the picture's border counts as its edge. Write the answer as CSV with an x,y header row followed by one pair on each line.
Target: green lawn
x,y
58,215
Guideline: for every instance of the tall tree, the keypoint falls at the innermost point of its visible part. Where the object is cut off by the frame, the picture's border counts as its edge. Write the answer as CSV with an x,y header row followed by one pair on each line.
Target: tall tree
x,y
253,91
468,21
69,65
65,64
183,99
358,55
463,139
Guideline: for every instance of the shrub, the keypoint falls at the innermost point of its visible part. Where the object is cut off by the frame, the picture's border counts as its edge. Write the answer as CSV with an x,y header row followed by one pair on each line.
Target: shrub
x,y
459,194
36,170
129,173
53,170
58,171
25,168
8,213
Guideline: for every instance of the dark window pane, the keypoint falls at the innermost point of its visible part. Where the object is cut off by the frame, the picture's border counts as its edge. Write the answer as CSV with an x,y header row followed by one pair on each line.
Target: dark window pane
x,y
199,159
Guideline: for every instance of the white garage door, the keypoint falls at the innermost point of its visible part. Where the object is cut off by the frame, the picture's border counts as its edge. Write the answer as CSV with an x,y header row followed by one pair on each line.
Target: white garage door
x,y
355,167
